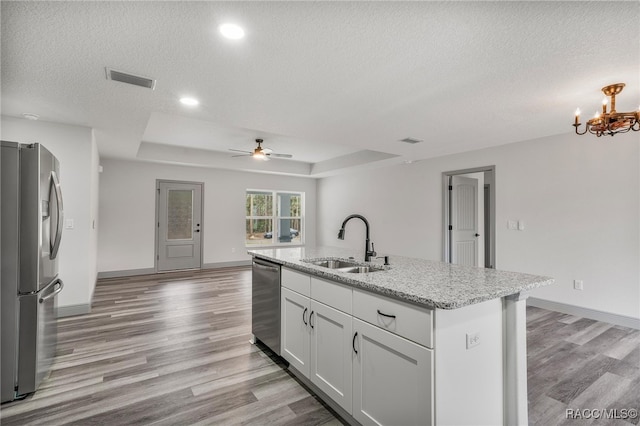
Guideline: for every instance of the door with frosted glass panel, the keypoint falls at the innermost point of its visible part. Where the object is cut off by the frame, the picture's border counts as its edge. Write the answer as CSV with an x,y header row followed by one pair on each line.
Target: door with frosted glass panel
x,y
179,226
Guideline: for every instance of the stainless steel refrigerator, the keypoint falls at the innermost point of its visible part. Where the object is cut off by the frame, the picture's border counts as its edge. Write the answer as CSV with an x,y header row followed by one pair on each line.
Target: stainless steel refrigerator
x,y
31,222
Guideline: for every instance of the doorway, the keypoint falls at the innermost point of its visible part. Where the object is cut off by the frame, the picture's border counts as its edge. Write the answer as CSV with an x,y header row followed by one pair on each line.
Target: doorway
x,y
469,217
179,227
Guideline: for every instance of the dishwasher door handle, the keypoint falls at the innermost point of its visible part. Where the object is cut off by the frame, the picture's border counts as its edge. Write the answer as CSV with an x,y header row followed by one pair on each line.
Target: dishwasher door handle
x,y
265,267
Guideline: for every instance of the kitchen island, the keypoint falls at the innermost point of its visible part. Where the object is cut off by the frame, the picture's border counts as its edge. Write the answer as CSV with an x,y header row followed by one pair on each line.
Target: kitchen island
x,y
412,342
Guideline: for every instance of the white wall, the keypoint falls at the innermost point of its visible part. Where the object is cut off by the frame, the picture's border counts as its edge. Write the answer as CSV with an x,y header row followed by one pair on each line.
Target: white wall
x,y
128,202
578,196
78,155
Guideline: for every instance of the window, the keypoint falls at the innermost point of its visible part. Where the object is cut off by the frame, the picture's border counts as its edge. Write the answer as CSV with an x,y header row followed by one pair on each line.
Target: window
x,y
274,217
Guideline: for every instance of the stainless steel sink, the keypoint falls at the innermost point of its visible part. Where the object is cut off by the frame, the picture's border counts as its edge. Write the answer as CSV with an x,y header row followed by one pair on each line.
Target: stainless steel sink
x,y
334,264
360,269
342,265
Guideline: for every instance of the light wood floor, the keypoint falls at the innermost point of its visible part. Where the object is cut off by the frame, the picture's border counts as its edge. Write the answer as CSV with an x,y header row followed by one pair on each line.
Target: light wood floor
x,y
580,364
174,349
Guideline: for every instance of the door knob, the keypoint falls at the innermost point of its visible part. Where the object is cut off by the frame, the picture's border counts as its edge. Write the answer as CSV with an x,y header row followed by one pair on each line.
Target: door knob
x,y
197,230
477,235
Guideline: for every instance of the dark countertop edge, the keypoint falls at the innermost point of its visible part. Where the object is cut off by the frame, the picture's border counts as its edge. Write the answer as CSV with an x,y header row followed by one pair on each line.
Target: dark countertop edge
x,y
403,297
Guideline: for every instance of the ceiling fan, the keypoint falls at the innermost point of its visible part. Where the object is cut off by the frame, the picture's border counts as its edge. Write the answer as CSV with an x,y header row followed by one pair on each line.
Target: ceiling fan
x,y
260,153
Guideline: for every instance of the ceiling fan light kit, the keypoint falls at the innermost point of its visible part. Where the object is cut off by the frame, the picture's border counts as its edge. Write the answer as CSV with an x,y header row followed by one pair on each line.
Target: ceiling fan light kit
x,y
260,153
610,122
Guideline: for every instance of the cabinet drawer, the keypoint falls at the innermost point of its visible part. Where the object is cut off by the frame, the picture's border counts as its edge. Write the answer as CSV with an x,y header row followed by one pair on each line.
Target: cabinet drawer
x,y
296,281
336,295
410,321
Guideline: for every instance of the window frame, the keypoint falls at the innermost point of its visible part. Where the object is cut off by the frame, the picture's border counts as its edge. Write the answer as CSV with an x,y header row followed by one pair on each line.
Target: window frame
x,y
275,218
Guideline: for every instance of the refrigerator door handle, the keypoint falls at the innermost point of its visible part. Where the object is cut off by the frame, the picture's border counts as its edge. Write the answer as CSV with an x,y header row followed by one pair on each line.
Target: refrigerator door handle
x,y
55,183
56,291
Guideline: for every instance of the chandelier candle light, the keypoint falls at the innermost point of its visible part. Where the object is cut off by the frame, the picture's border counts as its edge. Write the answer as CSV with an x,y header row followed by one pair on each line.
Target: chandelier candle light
x,y
612,122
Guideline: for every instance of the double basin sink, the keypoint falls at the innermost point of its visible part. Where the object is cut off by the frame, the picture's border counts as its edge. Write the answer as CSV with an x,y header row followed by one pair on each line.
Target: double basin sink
x,y
342,265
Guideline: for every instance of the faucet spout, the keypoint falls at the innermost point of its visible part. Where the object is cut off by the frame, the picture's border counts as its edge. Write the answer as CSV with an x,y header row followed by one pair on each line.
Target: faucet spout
x,y
367,253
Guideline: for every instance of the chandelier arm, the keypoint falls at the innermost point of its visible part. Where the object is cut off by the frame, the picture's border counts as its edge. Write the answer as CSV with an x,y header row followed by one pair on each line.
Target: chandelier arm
x,y
585,129
598,133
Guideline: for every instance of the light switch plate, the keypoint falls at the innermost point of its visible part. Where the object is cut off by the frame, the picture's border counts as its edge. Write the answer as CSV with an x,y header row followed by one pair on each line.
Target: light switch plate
x,y
512,224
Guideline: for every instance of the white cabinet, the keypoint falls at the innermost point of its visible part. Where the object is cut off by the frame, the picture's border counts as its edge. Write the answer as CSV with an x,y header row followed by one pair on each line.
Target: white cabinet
x,y
294,338
331,353
392,378
351,345
296,281
316,338
404,319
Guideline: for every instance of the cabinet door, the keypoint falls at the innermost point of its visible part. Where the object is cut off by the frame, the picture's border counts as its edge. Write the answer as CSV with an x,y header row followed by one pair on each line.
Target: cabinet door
x,y
392,379
331,353
295,330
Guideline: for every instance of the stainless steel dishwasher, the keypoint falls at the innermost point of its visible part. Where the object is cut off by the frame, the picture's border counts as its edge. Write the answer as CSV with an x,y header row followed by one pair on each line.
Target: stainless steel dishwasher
x,y
265,303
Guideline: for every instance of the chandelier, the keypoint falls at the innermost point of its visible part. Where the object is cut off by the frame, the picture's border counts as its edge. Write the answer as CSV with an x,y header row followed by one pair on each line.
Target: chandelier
x,y
612,122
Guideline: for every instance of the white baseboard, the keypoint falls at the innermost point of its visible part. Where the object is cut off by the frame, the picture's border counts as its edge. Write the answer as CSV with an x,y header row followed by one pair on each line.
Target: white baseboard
x,y
126,273
151,271
578,311
73,310
231,264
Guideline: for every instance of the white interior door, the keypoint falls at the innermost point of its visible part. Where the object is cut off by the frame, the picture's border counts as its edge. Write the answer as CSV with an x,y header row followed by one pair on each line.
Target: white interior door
x,y
179,226
464,220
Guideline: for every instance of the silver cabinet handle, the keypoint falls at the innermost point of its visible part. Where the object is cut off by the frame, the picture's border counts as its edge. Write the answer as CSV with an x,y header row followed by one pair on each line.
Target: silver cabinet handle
x,y
56,241
53,293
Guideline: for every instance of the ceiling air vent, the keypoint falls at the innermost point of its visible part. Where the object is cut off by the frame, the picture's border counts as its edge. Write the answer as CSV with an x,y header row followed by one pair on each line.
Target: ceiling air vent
x,y
124,77
411,140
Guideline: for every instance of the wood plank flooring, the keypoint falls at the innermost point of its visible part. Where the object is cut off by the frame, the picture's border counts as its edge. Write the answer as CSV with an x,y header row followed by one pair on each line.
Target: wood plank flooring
x,y
173,349
581,364
170,349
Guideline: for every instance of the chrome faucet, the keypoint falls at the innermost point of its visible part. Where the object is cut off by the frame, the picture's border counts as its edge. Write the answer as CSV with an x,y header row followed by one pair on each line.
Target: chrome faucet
x,y
367,253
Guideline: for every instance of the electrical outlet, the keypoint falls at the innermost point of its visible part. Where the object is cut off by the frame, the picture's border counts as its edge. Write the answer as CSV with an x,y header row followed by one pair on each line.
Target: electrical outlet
x,y
473,339
520,225
512,225
578,285
233,250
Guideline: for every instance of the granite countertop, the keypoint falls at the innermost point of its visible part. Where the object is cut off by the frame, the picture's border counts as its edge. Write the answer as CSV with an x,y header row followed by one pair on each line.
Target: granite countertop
x,y
424,282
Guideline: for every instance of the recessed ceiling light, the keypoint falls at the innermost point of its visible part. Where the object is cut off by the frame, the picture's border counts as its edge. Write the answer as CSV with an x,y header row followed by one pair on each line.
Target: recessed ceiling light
x,y
30,116
189,101
231,31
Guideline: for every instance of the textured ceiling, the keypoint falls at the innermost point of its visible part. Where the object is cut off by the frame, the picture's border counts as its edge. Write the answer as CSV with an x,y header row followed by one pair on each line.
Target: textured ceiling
x,y
336,84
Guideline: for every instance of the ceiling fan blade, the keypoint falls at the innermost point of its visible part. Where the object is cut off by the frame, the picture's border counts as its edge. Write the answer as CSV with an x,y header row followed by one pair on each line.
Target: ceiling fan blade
x,y
260,152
